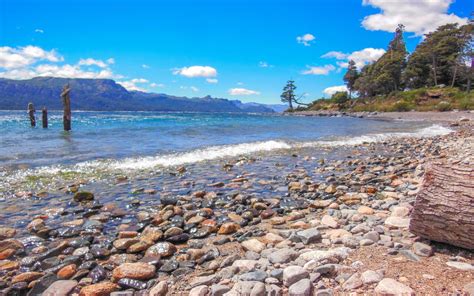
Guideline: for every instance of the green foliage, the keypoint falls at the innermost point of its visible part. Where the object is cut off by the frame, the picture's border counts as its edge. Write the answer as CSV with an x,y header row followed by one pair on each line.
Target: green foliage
x,y
340,98
351,76
288,95
444,106
402,106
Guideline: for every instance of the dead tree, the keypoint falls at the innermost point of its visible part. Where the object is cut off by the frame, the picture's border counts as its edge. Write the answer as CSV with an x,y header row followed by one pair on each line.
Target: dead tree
x,y
45,117
67,107
444,207
31,114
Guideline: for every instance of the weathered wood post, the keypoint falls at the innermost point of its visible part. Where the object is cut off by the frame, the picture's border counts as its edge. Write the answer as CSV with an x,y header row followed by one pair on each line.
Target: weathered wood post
x,y
45,117
67,107
31,113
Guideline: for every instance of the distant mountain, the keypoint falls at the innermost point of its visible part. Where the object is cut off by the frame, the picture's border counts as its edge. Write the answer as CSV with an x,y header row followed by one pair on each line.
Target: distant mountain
x,y
107,95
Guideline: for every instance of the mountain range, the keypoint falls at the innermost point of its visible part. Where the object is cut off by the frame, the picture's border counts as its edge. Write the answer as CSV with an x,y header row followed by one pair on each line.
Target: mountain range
x,y
107,95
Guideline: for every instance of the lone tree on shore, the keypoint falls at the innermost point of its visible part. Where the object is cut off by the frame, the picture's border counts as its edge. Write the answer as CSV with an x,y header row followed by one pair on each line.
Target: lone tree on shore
x,y
288,95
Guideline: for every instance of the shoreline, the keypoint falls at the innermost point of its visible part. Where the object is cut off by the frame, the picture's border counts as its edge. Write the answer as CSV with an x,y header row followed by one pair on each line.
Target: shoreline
x,y
431,116
314,219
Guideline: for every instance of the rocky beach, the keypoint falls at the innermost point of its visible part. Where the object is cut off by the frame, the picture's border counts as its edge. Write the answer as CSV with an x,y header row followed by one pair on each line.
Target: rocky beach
x,y
306,221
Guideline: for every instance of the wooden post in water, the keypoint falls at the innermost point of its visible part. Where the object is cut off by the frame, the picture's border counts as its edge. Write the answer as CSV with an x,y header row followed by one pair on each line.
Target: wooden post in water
x,y
31,113
67,107
45,117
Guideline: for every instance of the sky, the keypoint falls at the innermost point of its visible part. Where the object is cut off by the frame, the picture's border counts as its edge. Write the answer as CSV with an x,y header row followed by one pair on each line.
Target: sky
x,y
238,49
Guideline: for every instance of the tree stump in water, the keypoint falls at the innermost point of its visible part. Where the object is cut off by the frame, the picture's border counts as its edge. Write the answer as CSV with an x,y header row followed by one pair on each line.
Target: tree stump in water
x,y
444,207
31,114
67,107
45,117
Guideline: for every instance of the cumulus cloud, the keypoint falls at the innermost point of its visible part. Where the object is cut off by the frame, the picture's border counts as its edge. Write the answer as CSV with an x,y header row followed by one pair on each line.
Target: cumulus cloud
x,y
306,39
212,80
196,71
316,70
32,61
242,92
131,85
23,56
41,31
419,17
157,84
360,57
193,88
329,91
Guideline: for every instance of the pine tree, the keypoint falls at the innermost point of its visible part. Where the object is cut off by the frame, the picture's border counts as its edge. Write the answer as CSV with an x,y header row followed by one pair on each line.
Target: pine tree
x,y
288,95
351,76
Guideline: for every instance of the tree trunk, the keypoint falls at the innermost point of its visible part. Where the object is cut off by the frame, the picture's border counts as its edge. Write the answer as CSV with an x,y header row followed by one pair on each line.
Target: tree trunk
x,y
444,207
31,114
454,75
45,117
435,74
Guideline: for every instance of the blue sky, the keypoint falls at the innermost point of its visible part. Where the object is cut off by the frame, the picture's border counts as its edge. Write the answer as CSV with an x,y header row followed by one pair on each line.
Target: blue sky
x,y
243,50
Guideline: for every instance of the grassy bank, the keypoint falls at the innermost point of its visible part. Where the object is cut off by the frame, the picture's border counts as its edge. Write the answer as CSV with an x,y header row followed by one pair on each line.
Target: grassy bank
x,y
423,99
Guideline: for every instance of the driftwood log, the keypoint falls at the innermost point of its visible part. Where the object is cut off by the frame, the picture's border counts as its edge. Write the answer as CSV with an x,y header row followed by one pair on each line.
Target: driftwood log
x,y
444,207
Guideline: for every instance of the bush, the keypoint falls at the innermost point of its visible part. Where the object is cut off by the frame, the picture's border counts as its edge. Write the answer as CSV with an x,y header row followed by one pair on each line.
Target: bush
x,y
444,106
402,106
466,104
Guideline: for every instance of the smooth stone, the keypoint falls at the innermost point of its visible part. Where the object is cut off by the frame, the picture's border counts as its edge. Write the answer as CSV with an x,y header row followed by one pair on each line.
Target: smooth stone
x,y
100,289
336,255
83,196
388,286
329,221
136,271
7,232
160,289
257,275
371,277
203,280
282,256
460,265
258,289
26,277
301,288
219,290
397,222
199,291
60,288
293,274
309,236
228,228
253,245
163,249
245,265
422,249
352,283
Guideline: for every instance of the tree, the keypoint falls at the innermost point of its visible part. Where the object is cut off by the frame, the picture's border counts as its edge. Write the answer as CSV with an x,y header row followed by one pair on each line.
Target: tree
x,y
288,95
340,98
351,76
439,58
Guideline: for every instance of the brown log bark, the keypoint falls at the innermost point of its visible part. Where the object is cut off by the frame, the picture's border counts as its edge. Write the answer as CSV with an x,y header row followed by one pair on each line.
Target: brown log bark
x,y
444,207
31,114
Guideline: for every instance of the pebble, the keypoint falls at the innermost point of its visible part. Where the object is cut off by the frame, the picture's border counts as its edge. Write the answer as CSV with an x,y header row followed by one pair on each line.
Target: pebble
x,y
60,288
460,265
301,288
136,271
309,236
370,277
388,286
282,256
422,249
253,245
228,228
199,291
293,274
100,289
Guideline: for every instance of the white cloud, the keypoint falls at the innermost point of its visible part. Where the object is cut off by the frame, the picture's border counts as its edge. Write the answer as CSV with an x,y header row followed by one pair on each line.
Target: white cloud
x,y
110,61
240,83
145,66
196,71
24,56
360,57
306,39
335,54
131,85
194,89
32,61
263,64
92,62
41,31
419,17
157,84
212,80
334,89
324,70
242,92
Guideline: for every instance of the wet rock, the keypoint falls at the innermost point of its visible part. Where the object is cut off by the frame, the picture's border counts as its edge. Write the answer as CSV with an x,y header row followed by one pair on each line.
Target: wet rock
x,y
301,288
26,277
163,249
60,288
98,274
83,196
7,232
100,289
389,286
422,249
228,228
67,271
42,284
10,244
128,283
293,274
7,265
169,266
124,243
168,200
253,245
136,271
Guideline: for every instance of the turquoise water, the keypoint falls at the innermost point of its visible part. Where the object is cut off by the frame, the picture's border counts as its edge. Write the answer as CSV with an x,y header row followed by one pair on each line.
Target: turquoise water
x,y
134,141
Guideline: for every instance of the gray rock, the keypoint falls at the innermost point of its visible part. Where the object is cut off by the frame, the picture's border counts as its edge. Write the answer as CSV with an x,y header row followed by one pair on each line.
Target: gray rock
x,y
309,236
274,290
389,286
371,277
460,265
203,280
258,289
293,274
60,288
410,255
422,249
323,292
277,273
352,283
366,242
372,235
325,269
301,288
257,275
283,256
219,290
199,291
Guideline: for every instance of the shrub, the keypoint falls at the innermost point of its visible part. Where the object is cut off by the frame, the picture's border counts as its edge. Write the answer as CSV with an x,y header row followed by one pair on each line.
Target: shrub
x,y
444,106
402,106
466,104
